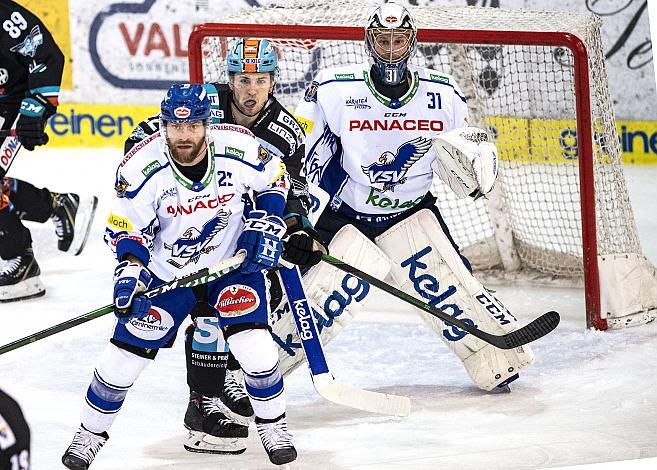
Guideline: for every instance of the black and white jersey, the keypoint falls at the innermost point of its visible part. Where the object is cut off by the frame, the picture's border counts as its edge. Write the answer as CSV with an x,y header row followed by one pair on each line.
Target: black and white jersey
x,y
275,128
14,436
30,60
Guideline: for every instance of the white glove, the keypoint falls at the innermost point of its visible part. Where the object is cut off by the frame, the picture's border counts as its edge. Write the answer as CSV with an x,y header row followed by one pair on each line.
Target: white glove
x,y
466,161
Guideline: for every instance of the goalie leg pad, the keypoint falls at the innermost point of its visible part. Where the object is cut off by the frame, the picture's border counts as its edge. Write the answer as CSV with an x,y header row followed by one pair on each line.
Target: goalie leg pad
x,y
335,296
426,265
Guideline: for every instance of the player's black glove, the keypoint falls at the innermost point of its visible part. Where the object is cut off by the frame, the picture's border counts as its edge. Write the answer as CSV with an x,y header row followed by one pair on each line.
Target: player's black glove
x,y
34,113
303,245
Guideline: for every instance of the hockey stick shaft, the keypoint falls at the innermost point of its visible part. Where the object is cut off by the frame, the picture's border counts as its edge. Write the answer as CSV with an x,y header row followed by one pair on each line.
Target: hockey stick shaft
x,y
534,330
323,380
9,147
200,277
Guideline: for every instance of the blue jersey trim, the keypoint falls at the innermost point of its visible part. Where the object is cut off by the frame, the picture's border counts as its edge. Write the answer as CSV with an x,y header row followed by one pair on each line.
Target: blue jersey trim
x,y
348,80
132,194
46,90
446,84
132,247
259,167
271,202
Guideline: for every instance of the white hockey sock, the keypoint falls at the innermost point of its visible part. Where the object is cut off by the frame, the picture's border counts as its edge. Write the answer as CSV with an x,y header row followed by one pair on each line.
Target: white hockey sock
x,y
116,372
256,352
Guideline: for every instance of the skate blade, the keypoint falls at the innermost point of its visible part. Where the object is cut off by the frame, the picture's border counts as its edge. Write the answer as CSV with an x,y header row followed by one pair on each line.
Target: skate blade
x,y
203,443
83,221
27,289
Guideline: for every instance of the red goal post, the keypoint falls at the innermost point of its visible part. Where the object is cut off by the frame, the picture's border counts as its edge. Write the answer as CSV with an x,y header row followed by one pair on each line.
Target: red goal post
x,y
309,35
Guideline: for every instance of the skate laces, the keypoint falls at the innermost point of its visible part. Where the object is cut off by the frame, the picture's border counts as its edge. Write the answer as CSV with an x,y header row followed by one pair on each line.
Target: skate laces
x,y
86,445
12,266
211,405
232,389
275,435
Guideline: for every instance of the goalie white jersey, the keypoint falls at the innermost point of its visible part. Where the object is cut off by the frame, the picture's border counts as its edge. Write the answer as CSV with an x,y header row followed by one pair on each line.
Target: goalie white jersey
x,y
180,225
373,154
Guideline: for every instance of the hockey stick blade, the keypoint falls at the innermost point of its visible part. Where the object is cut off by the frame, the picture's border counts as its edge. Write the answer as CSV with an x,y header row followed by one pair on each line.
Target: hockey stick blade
x,y
532,331
323,381
352,397
536,329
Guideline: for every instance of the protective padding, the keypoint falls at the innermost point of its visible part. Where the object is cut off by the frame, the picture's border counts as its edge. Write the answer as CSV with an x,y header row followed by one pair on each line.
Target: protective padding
x,y
427,266
335,296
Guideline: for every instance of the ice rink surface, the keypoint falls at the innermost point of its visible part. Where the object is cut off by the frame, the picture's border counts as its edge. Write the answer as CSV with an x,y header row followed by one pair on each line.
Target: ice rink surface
x,y
591,397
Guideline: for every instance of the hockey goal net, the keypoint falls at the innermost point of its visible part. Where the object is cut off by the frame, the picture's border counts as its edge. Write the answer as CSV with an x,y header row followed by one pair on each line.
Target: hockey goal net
x,y
537,81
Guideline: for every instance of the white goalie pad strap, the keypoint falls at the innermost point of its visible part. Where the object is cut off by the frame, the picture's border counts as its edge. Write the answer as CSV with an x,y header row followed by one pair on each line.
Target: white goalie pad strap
x,y
466,160
628,289
426,265
336,297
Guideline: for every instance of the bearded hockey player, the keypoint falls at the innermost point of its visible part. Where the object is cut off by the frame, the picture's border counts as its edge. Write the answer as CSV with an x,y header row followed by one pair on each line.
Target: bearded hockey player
x,y
179,207
376,134
31,68
219,411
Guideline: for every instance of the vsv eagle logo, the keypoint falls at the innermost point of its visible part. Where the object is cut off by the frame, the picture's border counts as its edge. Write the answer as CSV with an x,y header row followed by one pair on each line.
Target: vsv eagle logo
x,y
195,243
390,170
30,44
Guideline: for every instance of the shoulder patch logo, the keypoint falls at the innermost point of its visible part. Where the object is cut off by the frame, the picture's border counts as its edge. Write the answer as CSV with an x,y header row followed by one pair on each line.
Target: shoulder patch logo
x,y
345,76
150,168
311,92
233,152
263,155
438,78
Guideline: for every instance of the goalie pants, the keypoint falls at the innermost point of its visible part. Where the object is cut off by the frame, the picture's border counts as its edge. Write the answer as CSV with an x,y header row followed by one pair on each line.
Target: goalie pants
x,y
330,222
19,200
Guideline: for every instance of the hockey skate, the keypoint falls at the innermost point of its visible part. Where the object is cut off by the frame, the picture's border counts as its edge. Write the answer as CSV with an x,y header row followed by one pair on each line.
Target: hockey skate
x,y
72,217
19,278
209,430
237,405
83,449
276,440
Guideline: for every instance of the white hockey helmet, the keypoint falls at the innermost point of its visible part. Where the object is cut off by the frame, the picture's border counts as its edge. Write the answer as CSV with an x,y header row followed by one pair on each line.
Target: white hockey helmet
x,y
391,39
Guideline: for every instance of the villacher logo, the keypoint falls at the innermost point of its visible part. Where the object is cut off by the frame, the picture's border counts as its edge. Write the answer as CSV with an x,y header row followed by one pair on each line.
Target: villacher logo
x,y
237,300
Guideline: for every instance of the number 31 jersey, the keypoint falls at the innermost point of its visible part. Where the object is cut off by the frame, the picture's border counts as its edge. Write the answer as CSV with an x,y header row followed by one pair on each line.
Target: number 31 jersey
x,y
373,154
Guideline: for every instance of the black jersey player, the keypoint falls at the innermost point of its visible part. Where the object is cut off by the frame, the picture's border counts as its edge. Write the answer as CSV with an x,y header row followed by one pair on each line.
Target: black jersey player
x,y
31,66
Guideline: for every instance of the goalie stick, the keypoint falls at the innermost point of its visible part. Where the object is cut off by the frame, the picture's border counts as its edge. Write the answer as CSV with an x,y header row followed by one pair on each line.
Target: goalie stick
x,y
534,330
323,380
203,276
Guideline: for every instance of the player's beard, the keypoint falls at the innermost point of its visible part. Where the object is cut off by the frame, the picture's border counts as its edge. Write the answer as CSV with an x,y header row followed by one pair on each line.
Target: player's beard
x,y
185,151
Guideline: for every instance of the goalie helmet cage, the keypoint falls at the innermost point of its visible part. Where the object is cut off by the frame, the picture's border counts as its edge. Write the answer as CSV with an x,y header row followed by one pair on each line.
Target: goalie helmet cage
x,y
536,80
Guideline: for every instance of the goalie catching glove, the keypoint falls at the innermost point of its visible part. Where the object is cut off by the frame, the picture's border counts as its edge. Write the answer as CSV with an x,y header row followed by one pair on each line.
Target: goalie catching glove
x,y
303,245
466,161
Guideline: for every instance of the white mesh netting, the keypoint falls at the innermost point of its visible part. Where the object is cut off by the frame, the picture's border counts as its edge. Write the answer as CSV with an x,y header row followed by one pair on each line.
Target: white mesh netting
x,y
523,94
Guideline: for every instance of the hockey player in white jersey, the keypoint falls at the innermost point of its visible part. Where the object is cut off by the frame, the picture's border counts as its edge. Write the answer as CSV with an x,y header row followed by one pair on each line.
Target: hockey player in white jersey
x,y
376,135
179,207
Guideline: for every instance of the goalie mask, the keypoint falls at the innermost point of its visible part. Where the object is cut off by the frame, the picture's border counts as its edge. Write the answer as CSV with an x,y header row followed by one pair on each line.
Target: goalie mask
x,y
390,39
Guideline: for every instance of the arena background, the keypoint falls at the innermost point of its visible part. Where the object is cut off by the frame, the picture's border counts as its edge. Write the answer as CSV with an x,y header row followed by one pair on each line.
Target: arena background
x,y
121,56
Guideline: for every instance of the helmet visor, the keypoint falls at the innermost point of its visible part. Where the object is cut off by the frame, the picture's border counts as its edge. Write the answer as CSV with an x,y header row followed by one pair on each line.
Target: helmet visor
x,y
391,45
